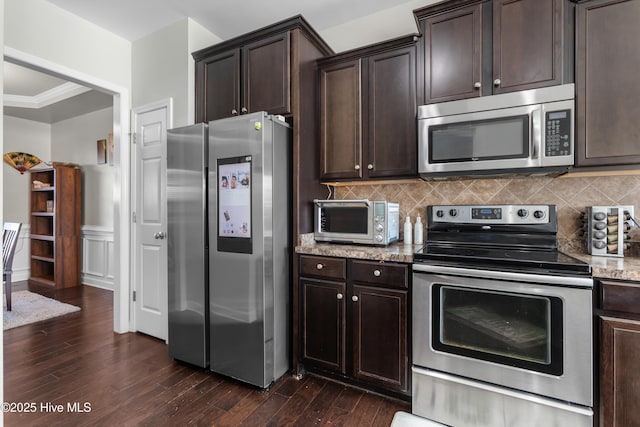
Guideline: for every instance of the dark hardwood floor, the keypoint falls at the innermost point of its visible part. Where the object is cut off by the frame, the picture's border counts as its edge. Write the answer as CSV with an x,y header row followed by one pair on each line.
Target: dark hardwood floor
x,y
129,380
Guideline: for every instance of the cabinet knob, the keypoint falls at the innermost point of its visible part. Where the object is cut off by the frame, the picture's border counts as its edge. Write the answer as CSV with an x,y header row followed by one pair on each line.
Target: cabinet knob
x,y
339,296
496,82
370,166
244,110
234,112
319,266
376,273
477,85
354,298
159,235
357,167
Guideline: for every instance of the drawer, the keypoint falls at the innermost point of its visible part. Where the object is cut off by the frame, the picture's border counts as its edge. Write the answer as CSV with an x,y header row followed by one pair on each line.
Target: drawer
x,y
381,273
324,267
620,296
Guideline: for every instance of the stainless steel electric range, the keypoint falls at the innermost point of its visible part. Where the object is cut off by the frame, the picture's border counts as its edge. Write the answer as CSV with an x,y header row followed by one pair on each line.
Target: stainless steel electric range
x,y
502,321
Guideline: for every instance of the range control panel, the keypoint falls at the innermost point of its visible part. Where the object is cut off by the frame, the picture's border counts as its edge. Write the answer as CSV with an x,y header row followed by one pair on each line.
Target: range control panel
x,y
491,214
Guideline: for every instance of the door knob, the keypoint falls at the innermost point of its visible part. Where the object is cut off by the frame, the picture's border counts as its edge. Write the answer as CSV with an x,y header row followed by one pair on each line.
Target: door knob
x,y
159,235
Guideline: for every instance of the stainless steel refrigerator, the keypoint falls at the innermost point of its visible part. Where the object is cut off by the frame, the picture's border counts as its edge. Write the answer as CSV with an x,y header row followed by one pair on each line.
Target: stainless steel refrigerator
x,y
249,247
229,197
187,244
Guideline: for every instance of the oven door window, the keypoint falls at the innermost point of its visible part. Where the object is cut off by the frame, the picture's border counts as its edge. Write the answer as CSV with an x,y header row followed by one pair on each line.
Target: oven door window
x,y
518,330
345,219
491,139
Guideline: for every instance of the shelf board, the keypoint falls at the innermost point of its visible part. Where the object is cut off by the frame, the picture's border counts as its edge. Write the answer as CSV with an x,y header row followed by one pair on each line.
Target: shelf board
x,y
43,237
43,258
51,188
43,281
43,214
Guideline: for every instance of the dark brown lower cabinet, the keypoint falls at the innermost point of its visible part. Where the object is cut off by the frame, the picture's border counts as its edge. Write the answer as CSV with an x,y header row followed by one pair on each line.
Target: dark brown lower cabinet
x,y
355,321
380,336
619,341
619,374
323,328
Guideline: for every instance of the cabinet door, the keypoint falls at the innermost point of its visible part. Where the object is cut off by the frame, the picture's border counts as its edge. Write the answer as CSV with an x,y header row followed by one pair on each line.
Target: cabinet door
x,y
527,44
380,354
619,376
341,121
323,327
607,89
218,86
267,75
453,54
391,120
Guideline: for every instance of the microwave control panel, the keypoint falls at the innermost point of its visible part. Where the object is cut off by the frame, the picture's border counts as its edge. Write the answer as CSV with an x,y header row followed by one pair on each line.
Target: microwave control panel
x,y
558,133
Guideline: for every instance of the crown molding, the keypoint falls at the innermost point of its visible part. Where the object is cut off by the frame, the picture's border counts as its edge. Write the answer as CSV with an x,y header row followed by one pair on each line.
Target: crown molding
x,y
48,97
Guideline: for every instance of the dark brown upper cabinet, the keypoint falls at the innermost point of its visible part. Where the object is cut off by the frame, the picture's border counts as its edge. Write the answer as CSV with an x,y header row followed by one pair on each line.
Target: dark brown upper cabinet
x,y
607,91
251,78
474,48
254,72
368,112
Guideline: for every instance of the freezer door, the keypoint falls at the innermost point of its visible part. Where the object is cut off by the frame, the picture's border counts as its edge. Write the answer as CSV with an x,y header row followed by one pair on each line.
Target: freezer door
x,y
187,244
246,204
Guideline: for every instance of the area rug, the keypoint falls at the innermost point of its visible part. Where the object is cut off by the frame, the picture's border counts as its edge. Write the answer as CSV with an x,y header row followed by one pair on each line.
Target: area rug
x,y
28,307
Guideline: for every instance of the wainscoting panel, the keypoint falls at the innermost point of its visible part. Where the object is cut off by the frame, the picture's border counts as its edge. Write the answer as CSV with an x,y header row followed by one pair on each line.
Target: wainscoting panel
x,y
21,264
97,256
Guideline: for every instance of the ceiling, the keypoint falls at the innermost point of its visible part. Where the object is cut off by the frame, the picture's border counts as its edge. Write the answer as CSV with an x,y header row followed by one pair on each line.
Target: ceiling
x,y
133,19
32,95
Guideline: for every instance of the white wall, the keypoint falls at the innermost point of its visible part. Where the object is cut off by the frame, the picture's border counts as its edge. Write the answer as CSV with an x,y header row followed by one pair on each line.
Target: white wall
x,y
199,38
29,137
42,29
74,140
377,27
163,67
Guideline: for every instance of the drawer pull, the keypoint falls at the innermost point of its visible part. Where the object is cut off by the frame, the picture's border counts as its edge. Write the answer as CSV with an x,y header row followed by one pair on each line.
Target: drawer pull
x,y
354,298
376,273
319,266
339,296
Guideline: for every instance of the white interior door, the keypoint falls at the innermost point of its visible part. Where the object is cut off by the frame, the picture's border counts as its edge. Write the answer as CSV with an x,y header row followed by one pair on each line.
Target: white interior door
x,y
150,219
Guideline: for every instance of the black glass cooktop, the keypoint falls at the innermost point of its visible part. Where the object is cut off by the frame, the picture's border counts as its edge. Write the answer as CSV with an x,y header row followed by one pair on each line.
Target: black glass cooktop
x,y
492,258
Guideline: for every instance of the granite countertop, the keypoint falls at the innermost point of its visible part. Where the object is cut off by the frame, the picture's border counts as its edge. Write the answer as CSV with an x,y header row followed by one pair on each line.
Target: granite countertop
x,y
627,268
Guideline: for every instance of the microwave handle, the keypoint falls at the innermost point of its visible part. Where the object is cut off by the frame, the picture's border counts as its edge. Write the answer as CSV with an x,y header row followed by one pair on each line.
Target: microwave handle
x,y
536,133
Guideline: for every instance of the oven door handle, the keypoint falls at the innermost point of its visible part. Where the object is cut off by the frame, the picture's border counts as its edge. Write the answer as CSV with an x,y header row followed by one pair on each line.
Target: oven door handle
x,y
569,281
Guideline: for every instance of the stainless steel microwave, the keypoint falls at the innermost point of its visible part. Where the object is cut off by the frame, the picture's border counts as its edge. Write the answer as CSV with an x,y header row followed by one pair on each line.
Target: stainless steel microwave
x,y
530,132
356,221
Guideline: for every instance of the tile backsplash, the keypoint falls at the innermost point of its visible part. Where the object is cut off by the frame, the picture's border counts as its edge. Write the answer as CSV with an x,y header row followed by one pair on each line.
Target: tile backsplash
x,y
571,195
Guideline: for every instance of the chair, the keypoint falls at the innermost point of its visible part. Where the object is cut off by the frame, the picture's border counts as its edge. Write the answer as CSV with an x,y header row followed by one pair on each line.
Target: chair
x,y
10,232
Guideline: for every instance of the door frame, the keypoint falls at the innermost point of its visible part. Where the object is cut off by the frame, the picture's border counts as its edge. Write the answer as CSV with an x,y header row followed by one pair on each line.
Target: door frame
x,y
122,174
167,105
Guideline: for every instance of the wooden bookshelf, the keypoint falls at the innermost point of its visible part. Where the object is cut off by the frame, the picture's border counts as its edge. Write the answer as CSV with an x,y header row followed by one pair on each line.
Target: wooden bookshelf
x,y
55,227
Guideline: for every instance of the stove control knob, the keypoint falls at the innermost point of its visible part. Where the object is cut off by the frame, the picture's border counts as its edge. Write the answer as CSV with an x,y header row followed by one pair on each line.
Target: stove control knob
x,y
379,227
538,214
440,213
523,213
599,225
599,244
599,216
453,212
